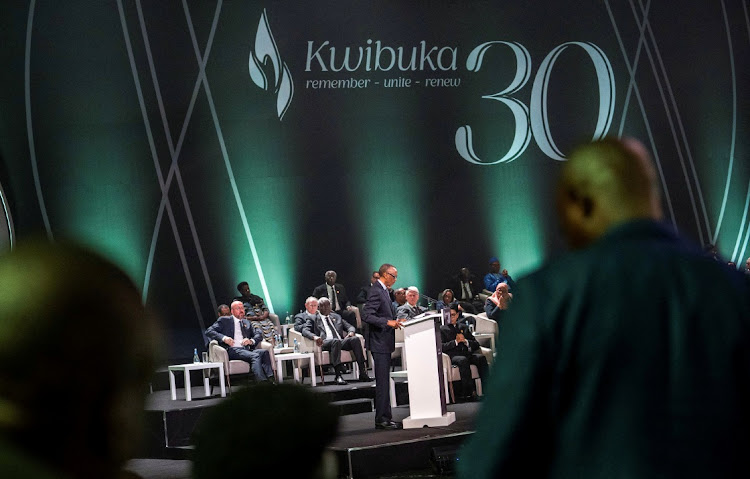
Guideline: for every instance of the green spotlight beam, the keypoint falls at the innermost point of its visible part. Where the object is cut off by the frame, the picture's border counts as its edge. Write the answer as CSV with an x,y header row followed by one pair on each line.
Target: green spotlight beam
x,y
276,231
514,221
388,164
228,165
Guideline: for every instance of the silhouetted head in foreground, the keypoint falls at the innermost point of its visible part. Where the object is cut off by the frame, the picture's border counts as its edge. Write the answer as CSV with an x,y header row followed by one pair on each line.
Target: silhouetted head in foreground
x,y
248,431
72,377
605,183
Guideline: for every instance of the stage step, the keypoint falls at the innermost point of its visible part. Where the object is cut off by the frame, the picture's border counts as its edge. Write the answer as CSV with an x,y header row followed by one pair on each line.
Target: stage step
x,y
170,424
353,406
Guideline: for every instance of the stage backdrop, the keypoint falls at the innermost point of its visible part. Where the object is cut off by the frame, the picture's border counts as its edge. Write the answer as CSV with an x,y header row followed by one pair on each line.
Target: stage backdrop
x,y
201,143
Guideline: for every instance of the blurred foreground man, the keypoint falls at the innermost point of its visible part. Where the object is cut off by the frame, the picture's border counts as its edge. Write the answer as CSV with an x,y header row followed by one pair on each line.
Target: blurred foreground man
x,y
73,377
627,358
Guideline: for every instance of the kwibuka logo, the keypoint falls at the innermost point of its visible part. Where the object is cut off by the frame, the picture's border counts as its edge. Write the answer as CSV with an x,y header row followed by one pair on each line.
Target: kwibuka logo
x,y
264,53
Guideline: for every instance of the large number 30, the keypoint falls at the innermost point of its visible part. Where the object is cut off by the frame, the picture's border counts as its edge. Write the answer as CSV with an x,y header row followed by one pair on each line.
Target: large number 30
x,y
533,119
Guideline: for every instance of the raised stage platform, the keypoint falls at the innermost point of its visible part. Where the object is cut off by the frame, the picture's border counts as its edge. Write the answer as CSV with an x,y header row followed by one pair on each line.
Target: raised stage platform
x,y
360,448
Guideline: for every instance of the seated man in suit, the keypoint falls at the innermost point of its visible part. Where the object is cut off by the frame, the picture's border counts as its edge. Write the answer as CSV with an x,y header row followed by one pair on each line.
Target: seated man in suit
x,y
411,308
467,288
309,314
365,290
242,341
327,330
337,294
399,297
460,345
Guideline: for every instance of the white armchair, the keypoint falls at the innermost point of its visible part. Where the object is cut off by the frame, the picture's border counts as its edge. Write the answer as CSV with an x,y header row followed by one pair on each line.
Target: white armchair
x,y
485,324
323,358
485,332
217,354
452,373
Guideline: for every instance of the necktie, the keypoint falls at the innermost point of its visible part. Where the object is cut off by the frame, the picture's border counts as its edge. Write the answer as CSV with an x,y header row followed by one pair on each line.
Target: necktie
x,y
334,300
238,336
333,328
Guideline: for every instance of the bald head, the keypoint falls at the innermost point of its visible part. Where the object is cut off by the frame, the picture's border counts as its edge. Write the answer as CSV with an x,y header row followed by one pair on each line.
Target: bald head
x,y
605,183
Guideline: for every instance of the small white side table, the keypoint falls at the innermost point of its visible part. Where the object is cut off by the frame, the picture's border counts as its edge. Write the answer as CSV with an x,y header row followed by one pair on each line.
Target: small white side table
x,y
297,367
186,368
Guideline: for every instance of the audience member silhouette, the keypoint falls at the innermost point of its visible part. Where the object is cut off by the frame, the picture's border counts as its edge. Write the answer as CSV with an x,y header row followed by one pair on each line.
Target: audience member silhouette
x,y
221,438
628,357
73,377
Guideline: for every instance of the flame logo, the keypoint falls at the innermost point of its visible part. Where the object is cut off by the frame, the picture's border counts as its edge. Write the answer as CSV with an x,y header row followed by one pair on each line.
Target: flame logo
x,y
265,52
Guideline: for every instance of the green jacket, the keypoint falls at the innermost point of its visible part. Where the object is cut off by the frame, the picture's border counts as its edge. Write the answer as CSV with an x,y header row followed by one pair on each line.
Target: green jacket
x,y
628,359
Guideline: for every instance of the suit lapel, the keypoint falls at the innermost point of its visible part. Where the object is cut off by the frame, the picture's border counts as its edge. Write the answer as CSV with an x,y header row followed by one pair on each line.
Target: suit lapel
x,y
246,328
320,326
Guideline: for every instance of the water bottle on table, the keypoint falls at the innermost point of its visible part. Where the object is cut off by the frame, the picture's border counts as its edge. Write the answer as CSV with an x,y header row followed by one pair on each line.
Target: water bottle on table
x,y
196,359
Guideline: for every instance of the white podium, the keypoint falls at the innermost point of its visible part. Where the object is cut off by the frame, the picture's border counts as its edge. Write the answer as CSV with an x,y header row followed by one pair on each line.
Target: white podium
x,y
423,350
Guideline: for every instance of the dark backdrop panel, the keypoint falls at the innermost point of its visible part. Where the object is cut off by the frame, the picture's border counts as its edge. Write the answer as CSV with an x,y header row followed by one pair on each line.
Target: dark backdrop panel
x,y
257,167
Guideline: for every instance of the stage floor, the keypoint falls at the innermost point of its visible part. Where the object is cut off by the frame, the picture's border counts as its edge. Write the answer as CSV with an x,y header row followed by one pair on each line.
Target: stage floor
x,y
359,448
358,430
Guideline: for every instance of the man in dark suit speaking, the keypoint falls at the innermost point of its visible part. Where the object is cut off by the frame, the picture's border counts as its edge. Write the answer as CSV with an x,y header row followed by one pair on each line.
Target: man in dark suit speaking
x,y
379,314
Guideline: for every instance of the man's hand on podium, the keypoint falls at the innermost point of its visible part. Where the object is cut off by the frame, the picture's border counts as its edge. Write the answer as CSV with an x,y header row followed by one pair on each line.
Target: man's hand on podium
x,y
396,323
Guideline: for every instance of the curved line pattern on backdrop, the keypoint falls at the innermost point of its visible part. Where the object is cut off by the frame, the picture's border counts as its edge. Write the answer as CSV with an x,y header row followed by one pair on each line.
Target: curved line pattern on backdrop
x,y
225,155
174,170
647,124
8,217
678,119
29,128
734,123
738,258
643,27
155,158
